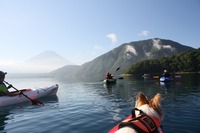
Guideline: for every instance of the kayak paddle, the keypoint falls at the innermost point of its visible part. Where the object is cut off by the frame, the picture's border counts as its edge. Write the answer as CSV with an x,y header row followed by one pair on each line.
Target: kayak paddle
x,y
33,101
117,69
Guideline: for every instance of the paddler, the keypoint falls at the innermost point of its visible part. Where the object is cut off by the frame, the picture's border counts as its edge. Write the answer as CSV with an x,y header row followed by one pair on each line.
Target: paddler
x,y
3,88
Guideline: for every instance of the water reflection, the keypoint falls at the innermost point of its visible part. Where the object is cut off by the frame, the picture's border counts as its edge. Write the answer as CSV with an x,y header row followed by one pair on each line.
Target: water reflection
x,y
3,118
7,112
109,87
165,85
50,99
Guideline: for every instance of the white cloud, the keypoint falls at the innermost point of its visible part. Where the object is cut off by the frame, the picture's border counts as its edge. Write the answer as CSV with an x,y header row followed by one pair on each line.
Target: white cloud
x,y
156,43
144,33
131,49
167,46
113,37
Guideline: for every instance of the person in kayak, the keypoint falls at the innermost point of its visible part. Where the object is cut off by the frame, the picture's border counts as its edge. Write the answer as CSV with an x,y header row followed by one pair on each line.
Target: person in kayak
x,y
166,74
3,88
109,76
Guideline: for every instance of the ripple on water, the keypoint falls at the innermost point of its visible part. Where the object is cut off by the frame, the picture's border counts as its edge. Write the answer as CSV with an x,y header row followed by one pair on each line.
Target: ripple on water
x,y
183,115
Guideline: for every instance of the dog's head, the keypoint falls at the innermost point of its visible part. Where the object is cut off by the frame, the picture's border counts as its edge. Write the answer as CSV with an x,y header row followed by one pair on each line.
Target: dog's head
x,y
154,103
150,107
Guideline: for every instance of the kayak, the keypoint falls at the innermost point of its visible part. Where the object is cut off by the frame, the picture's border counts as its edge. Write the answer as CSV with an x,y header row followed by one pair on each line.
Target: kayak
x,y
109,81
115,128
146,76
165,79
31,93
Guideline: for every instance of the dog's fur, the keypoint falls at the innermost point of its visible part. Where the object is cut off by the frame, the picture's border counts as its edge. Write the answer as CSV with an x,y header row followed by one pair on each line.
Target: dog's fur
x,y
150,107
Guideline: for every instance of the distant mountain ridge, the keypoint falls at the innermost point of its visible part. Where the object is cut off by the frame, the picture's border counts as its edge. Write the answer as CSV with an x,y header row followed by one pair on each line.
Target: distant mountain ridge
x,y
44,62
46,58
127,54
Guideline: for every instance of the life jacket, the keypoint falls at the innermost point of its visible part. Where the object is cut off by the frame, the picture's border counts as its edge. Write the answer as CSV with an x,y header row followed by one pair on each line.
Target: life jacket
x,y
107,75
143,123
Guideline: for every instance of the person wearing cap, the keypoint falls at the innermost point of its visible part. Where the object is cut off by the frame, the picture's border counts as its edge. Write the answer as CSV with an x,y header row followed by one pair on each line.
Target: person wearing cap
x,y
166,74
3,88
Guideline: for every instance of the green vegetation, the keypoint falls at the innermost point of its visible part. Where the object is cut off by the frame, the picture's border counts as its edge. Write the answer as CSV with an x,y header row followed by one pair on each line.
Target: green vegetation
x,y
185,62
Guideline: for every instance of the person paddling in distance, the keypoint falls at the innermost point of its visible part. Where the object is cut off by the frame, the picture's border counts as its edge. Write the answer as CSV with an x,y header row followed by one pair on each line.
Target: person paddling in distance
x,y
109,76
3,88
166,74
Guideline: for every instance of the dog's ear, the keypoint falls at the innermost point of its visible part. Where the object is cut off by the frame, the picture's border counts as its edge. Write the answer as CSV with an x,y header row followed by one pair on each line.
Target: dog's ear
x,y
141,99
155,103
157,98
142,96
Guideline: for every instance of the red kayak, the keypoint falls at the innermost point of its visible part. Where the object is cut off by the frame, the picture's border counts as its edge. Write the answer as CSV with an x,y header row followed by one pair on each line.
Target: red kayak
x,y
114,129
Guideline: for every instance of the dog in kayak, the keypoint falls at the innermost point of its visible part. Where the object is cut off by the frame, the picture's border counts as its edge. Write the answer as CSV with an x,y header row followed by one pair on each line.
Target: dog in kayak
x,y
146,116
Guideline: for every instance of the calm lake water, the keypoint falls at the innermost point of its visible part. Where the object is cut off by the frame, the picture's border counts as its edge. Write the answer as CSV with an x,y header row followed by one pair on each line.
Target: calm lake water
x,y
92,107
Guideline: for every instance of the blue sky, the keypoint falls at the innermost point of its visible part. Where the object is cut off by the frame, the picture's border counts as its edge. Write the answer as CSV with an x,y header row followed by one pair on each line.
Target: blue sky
x,y
81,30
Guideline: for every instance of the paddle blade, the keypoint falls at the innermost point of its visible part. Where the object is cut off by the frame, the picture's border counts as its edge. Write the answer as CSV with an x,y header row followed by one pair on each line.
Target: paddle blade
x,y
117,69
36,102
156,77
